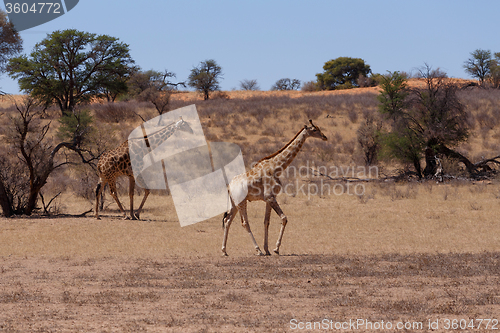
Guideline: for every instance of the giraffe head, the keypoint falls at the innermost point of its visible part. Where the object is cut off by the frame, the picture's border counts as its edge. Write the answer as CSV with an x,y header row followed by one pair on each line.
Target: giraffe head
x,y
182,125
314,131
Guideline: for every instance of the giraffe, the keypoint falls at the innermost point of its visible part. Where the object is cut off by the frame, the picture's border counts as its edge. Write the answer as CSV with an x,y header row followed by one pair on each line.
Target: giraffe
x,y
262,183
116,163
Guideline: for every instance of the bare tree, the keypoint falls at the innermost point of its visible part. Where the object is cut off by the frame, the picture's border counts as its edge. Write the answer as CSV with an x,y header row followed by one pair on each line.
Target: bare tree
x,y
368,135
249,85
30,158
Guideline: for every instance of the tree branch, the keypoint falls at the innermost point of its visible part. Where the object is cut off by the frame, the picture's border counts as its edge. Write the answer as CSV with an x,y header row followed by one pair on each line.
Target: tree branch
x,y
72,147
346,179
46,206
484,162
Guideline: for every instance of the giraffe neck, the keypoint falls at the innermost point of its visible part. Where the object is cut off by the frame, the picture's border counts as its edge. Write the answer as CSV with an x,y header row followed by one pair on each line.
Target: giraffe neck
x,y
155,139
285,155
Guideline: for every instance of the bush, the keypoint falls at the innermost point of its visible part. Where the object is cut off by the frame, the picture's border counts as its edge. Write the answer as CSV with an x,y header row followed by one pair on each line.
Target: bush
x,y
369,81
220,95
286,84
310,86
352,114
115,112
75,126
368,135
84,186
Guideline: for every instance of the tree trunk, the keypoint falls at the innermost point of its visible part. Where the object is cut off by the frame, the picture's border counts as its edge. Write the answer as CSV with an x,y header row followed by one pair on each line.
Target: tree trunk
x,y
35,188
471,168
5,202
418,168
430,162
32,200
37,182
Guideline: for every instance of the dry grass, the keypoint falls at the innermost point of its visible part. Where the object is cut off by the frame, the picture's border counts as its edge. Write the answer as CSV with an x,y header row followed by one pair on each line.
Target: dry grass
x,y
396,252
244,294
396,218
410,252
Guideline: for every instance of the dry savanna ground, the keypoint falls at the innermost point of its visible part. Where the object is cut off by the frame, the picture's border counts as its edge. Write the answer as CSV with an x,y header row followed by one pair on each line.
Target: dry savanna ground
x,y
403,253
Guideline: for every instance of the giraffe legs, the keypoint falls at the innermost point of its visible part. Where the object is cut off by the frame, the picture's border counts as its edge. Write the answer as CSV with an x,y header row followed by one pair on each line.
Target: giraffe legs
x,y
135,216
112,189
242,208
146,194
226,223
131,187
98,192
266,228
274,204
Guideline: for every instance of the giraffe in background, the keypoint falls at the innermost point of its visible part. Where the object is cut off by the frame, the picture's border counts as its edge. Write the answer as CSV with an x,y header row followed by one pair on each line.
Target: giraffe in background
x,y
262,183
116,163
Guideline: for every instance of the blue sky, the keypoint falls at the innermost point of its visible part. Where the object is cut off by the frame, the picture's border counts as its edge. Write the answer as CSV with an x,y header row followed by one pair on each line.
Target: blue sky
x,y
269,40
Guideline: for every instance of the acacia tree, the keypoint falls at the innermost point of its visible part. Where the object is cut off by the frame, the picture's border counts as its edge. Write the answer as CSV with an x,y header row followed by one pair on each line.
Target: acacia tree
x,y
153,86
70,67
342,73
425,121
400,142
286,84
479,65
205,78
116,85
10,42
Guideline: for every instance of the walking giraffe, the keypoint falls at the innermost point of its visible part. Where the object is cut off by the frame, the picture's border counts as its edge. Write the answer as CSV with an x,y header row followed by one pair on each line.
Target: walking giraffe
x,y
262,183
116,163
